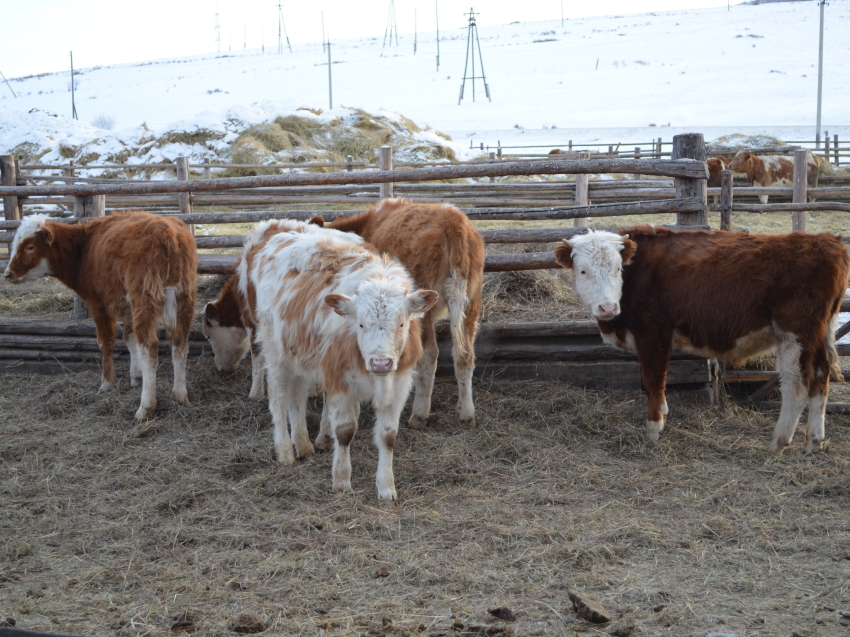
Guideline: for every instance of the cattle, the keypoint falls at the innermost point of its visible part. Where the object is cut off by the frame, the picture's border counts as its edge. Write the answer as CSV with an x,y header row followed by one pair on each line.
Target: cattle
x,y
773,170
228,322
727,295
443,252
333,315
715,165
133,268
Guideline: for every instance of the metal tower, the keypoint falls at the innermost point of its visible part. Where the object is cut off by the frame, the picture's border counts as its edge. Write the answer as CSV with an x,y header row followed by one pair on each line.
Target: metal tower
x,y
281,30
391,26
471,42
217,31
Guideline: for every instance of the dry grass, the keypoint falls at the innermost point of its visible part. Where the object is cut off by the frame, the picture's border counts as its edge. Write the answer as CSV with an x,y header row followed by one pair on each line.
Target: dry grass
x,y
108,527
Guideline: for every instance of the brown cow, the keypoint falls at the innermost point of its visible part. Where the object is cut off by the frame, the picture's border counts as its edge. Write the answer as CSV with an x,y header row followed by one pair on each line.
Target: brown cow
x,y
443,252
726,295
715,165
773,170
133,268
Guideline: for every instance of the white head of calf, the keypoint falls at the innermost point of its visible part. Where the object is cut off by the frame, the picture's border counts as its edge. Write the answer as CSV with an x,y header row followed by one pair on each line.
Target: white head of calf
x,y
597,260
228,337
381,312
30,251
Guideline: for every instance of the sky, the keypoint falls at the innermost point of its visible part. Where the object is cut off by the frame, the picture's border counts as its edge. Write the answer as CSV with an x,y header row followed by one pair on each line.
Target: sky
x,y
37,36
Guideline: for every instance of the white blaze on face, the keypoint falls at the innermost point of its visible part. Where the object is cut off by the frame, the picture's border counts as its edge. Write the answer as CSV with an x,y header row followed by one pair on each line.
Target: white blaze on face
x,y
382,310
598,269
30,226
229,344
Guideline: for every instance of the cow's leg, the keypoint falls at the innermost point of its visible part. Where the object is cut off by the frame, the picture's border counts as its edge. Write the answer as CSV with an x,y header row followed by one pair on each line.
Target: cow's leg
x,y
387,415
133,346
794,391
763,198
425,370
342,413
818,392
279,398
297,409
146,311
464,359
654,361
179,336
324,439
105,328
258,370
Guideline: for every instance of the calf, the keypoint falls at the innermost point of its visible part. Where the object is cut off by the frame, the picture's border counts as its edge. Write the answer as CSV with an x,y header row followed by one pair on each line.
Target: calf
x,y
134,268
774,170
726,295
228,322
443,252
331,314
715,165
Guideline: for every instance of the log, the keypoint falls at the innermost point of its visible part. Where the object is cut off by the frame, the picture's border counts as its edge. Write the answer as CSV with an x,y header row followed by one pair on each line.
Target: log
x,y
62,328
810,206
670,168
798,217
726,199
691,146
831,408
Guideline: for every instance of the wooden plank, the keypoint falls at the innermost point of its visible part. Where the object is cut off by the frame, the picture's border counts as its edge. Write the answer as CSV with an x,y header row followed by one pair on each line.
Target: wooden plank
x,y
11,210
726,199
798,217
691,146
810,206
670,168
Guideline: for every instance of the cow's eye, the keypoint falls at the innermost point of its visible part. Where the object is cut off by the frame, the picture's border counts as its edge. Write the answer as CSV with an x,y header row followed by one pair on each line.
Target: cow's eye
x,y
30,248
361,326
582,272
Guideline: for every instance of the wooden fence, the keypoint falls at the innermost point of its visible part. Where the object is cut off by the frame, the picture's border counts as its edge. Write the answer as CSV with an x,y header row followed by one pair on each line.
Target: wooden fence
x,y
572,352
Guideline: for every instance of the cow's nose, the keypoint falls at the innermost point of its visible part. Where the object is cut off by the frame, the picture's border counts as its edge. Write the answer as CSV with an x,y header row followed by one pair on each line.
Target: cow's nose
x,y
608,311
381,365
7,274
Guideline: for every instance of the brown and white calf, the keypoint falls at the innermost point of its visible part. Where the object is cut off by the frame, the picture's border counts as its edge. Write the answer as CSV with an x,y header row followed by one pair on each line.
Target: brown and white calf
x,y
773,170
333,315
228,322
726,295
134,268
443,252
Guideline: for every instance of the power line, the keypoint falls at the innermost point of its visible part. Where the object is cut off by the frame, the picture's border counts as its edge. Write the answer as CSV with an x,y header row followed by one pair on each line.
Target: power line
x,y
391,26
281,30
471,42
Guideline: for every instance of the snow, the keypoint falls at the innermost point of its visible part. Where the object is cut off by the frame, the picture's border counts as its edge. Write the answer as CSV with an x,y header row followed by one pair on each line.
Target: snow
x,y
750,70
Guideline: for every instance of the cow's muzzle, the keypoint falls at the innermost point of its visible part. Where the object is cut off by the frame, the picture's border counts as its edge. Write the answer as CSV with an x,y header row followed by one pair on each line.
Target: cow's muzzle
x,y
380,366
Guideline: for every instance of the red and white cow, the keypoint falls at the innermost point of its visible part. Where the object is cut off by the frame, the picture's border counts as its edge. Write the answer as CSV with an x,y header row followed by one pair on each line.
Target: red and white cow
x,y
773,170
228,322
726,295
440,248
715,165
333,315
134,268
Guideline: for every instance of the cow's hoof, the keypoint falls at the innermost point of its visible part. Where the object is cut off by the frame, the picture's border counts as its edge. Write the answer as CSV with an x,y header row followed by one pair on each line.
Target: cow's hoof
x,y
324,443
104,387
182,399
417,422
285,455
777,445
388,503
814,446
143,413
653,429
467,423
306,454
343,486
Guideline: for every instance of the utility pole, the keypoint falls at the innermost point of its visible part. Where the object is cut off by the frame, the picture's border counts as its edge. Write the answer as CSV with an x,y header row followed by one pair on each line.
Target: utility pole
x,y
437,9
245,36
217,31
7,84
415,31
330,82
562,13
391,26
323,30
73,101
471,42
820,75
281,30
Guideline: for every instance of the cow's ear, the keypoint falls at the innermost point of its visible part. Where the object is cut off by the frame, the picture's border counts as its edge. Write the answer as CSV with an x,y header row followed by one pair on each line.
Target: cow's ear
x,y
628,251
422,300
211,314
341,304
47,233
318,220
564,254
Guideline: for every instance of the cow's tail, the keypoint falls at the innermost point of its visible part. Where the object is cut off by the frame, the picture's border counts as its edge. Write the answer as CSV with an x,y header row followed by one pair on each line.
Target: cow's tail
x,y
463,284
831,352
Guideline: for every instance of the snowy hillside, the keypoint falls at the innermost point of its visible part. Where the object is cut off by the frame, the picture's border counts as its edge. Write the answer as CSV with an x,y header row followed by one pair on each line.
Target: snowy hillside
x,y
751,69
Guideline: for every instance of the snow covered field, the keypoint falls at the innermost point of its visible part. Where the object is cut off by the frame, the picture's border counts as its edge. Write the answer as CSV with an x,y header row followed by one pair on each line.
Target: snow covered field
x,y
605,79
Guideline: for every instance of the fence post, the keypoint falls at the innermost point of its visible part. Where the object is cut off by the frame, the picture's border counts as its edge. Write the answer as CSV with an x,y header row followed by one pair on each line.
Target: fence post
x,y
659,148
835,146
826,147
11,210
581,190
207,169
798,217
726,199
87,206
492,159
349,160
386,163
69,172
184,199
690,146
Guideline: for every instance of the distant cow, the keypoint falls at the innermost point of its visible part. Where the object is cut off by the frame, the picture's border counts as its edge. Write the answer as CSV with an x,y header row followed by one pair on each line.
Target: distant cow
x,y
443,252
715,165
332,314
134,268
773,170
228,322
726,295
